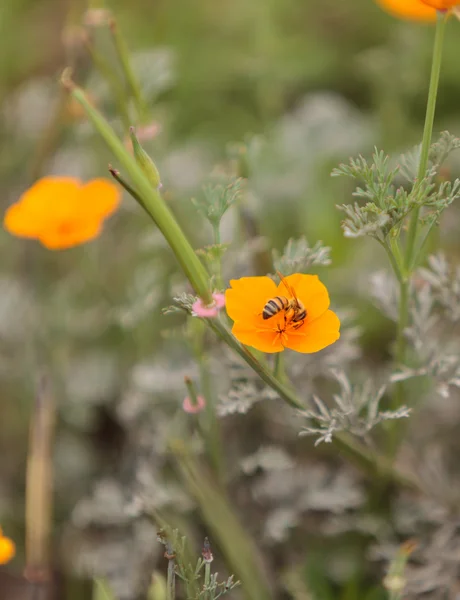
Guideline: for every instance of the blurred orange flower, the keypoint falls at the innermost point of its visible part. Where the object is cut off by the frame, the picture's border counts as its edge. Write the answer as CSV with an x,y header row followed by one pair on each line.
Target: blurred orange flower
x,y
245,302
62,212
7,549
441,4
415,10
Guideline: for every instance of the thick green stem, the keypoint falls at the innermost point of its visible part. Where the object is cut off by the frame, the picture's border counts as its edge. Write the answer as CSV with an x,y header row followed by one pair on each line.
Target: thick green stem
x,y
151,199
428,128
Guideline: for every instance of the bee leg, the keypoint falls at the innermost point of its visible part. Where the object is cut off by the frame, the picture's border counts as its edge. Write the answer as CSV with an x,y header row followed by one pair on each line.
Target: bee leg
x,y
299,324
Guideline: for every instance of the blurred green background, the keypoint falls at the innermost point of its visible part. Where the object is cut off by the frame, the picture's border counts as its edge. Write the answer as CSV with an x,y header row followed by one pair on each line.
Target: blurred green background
x,y
305,84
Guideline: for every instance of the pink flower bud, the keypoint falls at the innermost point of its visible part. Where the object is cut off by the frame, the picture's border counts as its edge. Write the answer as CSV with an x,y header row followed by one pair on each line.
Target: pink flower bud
x,y
191,408
211,310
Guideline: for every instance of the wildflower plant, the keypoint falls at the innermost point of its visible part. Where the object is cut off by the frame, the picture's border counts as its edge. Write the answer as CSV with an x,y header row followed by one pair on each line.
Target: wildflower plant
x,y
255,339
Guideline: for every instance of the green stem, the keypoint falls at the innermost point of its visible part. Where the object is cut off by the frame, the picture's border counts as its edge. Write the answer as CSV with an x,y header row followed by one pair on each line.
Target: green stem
x,y
111,77
171,579
422,243
368,461
124,184
402,321
207,578
134,87
193,395
285,393
278,367
428,128
393,260
218,267
151,198
413,225
213,429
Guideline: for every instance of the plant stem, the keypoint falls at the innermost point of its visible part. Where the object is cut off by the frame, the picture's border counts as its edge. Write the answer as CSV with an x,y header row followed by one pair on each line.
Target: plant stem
x,y
105,69
152,201
207,578
402,321
39,487
171,576
413,226
217,242
213,427
397,267
285,393
442,18
133,84
124,184
361,455
278,367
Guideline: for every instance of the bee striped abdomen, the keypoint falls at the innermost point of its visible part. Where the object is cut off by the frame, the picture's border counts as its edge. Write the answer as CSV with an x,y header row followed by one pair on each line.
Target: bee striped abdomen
x,y
274,306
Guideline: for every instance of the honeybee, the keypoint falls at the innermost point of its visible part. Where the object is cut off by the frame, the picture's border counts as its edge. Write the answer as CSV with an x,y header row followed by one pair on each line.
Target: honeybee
x,y
294,310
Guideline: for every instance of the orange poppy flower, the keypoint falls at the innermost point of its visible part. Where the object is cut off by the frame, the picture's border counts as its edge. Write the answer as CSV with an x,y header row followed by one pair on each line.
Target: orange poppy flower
x,y
7,549
415,10
62,212
441,4
245,302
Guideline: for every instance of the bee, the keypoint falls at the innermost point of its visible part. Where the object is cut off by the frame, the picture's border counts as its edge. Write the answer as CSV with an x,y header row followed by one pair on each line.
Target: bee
x,y
294,310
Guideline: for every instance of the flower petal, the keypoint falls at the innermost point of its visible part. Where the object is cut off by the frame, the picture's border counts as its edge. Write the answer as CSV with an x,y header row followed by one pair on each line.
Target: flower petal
x,y
310,291
247,297
99,198
316,335
414,10
78,232
265,340
441,4
48,200
7,550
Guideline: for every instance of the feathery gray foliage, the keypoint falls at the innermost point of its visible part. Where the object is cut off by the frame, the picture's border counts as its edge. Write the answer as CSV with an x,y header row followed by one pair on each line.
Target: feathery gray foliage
x,y
355,410
299,257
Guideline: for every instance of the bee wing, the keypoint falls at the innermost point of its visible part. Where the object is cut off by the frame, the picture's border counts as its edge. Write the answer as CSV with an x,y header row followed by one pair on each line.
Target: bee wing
x,y
287,286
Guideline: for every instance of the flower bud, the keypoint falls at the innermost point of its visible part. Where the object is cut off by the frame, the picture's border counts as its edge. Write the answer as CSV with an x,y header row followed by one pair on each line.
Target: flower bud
x,y
144,161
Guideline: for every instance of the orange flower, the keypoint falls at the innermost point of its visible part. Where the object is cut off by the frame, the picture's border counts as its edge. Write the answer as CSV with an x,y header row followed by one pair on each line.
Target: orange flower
x,y
441,4
245,302
415,10
7,549
62,212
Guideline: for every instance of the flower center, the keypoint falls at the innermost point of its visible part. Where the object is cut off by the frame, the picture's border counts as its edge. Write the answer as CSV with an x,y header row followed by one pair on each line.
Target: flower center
x,y
66,228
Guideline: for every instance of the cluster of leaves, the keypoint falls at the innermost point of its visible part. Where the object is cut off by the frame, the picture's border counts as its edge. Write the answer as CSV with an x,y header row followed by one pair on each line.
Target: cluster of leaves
x,y
355,410
197,585
387,204
299,257
435,313
181,303
217,198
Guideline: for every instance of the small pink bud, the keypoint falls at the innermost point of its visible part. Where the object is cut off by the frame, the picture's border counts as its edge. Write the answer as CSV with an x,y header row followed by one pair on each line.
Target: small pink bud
x,y
211,310
144,133
148,132
191,408
95,17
